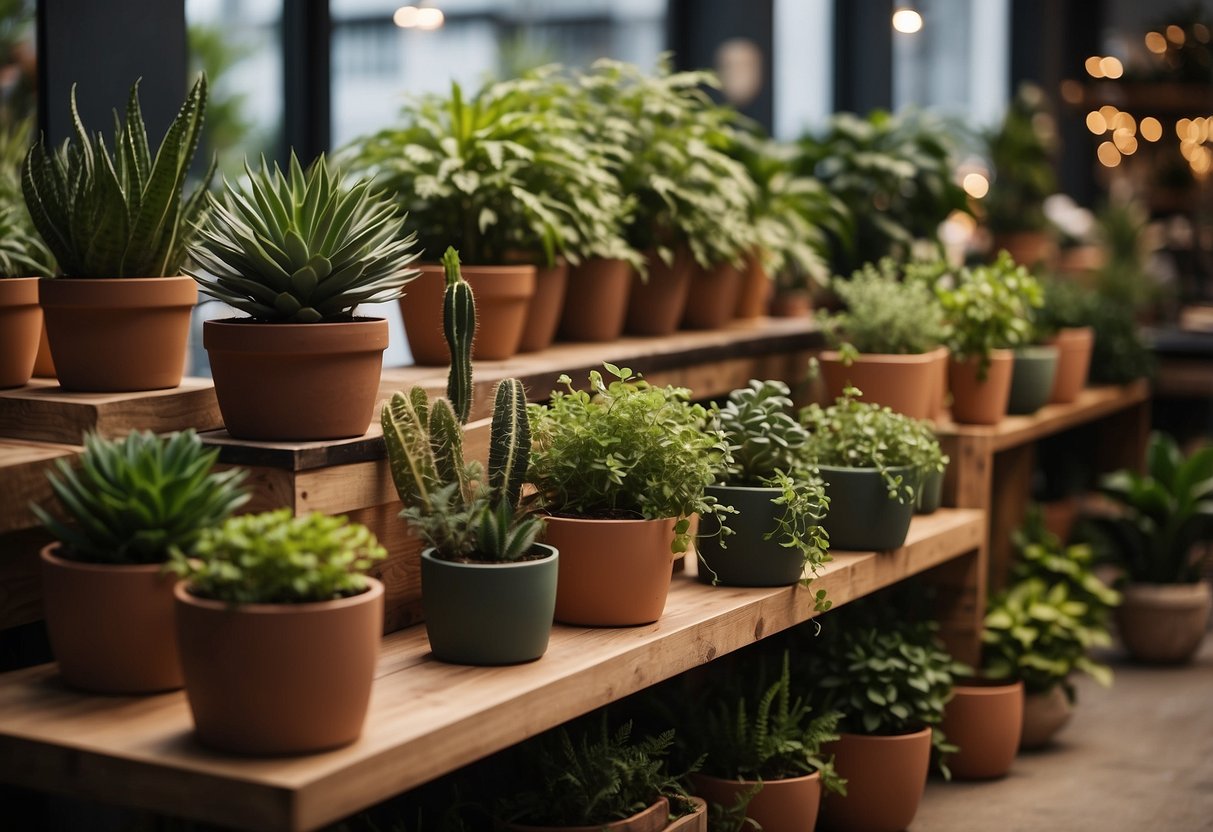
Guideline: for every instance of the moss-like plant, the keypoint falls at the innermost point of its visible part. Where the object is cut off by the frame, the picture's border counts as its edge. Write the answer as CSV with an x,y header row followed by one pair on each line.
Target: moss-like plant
x,y
884,314
989,307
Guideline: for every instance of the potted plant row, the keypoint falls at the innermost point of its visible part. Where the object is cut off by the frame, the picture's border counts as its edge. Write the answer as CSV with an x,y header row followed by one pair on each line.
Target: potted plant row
x,y
24,259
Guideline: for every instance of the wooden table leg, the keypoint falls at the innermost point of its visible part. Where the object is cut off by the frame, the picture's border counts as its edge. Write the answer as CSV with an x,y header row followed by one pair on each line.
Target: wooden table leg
x,y
1012,491
960,603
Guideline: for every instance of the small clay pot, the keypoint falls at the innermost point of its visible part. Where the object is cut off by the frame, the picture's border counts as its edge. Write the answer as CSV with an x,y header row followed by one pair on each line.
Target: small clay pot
x,y
713,296
1044,714
792,303
788,805
656,305
904,383
1163,623
696,821
746,559
1032,379
885,778
984,719
862,518
1074,348
20,329
755,292
596,302
978,401
655,818
939,385
543,313
44,364
118,335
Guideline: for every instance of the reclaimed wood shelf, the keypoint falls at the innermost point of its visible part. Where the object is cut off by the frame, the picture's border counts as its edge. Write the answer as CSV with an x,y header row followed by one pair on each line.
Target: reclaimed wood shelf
x,y
428,718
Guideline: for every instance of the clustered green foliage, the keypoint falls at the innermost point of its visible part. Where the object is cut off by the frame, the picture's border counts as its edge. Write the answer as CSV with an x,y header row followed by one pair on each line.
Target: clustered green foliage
x,y
1040,554
1120,355
302,248
1065,304
884,314
136,500
119,214
989,307
1161,516
22,252
855,434
590,776
277,558
1020,151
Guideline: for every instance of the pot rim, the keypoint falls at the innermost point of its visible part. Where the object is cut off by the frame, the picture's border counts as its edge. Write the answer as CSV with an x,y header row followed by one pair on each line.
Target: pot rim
x,y
652,808
466,268
857,470
553,554
917,358
1183,589
49,554
564,519
249,336
182,594
170,291
999,354
1037,352
737,781
747,489
988,687
249,321
913,735
20,291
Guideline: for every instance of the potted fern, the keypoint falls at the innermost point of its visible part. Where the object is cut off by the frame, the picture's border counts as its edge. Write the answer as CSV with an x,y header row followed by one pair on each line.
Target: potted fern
x,y
279,628
118,223
23,259
298,253
780,501
488,588
127,505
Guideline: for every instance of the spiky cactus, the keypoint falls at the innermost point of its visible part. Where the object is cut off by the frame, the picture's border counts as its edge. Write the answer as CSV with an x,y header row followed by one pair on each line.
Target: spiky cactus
x,y
759,425
459,327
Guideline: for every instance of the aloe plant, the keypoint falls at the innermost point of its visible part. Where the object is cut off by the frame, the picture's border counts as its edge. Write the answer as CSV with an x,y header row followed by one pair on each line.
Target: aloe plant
x,y
22,253
303,247
119,213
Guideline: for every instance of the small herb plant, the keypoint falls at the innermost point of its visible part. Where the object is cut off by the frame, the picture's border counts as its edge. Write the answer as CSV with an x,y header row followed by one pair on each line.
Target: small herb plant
x,y
626,449
119,213
989,307
136,500
884,314
302,248
277,558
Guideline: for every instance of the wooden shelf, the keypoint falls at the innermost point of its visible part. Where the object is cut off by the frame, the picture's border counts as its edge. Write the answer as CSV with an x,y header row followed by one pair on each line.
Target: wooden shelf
x,y
428,718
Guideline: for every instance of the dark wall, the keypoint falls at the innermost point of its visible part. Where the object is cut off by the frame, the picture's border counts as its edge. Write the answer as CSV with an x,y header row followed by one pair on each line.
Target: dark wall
x,y
863,55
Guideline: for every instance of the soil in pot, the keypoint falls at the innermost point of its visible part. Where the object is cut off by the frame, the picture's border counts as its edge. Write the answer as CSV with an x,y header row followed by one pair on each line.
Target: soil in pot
x,y
613,573
885,778
489,613
655,818
543,311
977,400
713,296
279,678
110,626
1074,347
655,305
596,301
755,289
788,805
746,559
862,518
1044,714
984,719
296,382
20,329
1032,379
1163,623
905,383
143,324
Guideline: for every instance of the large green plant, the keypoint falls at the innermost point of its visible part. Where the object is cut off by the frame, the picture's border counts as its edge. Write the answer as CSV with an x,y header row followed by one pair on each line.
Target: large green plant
x,y
302,248
1020,151
1040,554
22,251
122,212
989,307
138,499
884,314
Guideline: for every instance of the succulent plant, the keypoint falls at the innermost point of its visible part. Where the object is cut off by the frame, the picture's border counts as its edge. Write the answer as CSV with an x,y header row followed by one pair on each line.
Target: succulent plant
x,y
119,214
758,423
22,254
138,499
302,248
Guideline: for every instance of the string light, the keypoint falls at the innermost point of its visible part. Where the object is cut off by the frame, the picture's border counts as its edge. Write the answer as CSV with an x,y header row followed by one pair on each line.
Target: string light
x,y
1156,43
1111,67
1096,123
419,17
907,21
1151,129
976,185
1109,156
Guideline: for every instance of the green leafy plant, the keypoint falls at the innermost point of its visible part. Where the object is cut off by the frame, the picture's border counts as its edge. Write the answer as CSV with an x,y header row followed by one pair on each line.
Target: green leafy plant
x,y
1040,554
989,307
884,314
458,511
277,558
1064,304
138,499
1020,151
302,248
625,449
1120,355
22,251
1161,516
119,214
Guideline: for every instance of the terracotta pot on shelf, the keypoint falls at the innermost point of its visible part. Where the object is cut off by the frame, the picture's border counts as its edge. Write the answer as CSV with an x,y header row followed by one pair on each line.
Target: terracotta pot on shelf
x,y
118,335
1074,347
279,678
1028,248
939,386
503,296
753,299
656,305
1044,714
791,303
655,818
543,312
984,719
885,776
296,382
110,625
20,329
713,296
905,383
44,364
596,301
788,805
1163,623
613,573
977,401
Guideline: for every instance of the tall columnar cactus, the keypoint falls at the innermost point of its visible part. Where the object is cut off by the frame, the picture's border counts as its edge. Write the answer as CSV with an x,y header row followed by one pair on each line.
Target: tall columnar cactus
x,y
509,442
459,326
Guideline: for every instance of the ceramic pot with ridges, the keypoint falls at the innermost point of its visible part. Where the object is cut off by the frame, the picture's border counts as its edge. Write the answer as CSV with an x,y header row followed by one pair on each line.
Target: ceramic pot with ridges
x,y
1163,623
1032,379
110,626
596,301
713,296
613,573
885,776
984,719
543,311
746,559
755,292
656,305
279,678
1044,715
976,400
904,383
20,329
655,818
1074,348
788,805
862,518
296,382
118,335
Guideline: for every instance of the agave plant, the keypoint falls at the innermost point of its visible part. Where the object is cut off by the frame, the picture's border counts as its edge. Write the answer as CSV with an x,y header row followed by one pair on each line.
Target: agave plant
x,y
302,248
123,213
22,253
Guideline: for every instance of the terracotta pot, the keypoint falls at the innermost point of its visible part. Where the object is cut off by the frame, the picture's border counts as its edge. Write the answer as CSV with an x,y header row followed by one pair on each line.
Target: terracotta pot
x,y
1163,623
885,778
279,678
20,329
1032,378
596,303
296,382
613,573
713,296
1044,714
905,383
543,313
696,821
120,335
939,386
653,819
755,289
1029,248
110,626
503,295
788,805
794,303
656,305
985,720
978,401
44,365
1074,347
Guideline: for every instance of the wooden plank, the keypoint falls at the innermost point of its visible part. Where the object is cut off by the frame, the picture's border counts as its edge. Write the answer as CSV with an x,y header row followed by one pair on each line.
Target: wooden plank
x,y
43,412
426,718
23,468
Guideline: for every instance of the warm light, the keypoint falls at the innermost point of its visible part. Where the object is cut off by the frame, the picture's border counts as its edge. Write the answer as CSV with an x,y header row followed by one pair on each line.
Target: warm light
x,y
976,185
406,17
1183,128
1156,43
1124,121
1108,112
1125,142
1111,67
1151,129
1202,32
1175,35
1094,68
1201,161
1096,123
1071,91
1109,156
430,18
907,21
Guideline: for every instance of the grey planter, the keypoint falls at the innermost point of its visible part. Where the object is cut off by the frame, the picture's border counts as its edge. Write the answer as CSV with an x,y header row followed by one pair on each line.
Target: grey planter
x,y
1032,379
930,496
489,613
862,518
749,560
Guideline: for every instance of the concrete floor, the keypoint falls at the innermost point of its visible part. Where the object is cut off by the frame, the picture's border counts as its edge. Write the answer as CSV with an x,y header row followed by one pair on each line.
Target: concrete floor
x,y
1138,756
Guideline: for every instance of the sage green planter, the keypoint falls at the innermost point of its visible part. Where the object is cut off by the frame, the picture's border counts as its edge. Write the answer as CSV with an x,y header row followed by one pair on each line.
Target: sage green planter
x,y
749,560
1032,379
489,613
862,518
930,496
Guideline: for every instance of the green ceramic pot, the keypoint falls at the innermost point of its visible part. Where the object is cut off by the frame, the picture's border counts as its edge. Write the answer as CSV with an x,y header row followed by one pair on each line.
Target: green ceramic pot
x,y
862,518
749,560
489,613
930,496
1032,379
